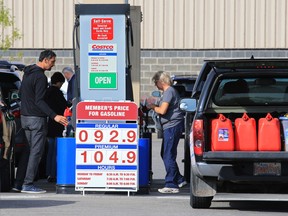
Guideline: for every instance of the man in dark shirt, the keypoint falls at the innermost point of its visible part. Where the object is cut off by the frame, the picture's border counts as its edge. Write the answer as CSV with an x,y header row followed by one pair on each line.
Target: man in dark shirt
x,y
34,112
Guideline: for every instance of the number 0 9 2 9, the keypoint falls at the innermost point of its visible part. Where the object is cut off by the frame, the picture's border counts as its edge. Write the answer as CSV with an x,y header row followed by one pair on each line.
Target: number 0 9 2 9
x,y
106,136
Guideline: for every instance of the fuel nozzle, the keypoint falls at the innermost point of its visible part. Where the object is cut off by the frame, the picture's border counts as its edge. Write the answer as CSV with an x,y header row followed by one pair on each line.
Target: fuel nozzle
x,y
68,112
68,115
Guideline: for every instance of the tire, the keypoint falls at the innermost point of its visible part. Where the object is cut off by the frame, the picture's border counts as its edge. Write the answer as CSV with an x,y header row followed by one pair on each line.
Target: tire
x,y
200,202
198,185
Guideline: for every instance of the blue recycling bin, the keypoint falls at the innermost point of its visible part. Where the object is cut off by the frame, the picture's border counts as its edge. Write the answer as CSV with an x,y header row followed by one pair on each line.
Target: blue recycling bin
x,y
144,161
66,160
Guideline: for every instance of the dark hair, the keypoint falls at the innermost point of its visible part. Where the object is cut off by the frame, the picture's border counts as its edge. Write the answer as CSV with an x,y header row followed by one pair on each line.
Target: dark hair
x,y
46,54
57,77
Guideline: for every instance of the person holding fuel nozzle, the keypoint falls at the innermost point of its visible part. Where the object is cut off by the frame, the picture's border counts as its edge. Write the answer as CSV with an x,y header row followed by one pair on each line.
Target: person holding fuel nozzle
x,y
172,122
56,101
34,113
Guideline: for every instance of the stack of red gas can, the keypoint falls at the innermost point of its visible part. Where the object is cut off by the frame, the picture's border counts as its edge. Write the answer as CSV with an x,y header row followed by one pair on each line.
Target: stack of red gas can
x,y
244,135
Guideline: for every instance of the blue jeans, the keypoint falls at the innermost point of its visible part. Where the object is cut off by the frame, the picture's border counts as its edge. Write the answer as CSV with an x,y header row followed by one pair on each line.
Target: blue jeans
x,y
36,131
51,157
171,137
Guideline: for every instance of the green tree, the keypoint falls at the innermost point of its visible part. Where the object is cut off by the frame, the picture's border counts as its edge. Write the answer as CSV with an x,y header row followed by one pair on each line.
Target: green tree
x,y
7,21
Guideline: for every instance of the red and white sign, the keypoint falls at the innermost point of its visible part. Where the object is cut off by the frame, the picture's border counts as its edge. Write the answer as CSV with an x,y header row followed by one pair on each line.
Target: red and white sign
x,y
106,156
102,29
89,110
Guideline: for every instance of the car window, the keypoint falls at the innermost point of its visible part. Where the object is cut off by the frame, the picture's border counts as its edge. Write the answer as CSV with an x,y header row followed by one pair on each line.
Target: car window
x,y
251,91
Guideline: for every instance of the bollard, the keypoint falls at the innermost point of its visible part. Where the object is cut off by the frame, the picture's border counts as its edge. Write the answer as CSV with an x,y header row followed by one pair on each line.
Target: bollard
x,y
149,136
66,156
144,162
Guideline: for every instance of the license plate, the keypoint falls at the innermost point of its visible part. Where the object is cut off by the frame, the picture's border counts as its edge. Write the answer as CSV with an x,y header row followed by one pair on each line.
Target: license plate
x,y
271,169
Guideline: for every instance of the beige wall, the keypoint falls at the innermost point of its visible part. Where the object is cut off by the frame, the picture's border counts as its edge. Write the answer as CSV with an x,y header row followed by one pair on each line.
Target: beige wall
x,y
167,24
102,1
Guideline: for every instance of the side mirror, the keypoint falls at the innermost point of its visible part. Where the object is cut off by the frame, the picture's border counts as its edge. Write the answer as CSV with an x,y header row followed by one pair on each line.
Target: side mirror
x,y
156,94
13,68
188,105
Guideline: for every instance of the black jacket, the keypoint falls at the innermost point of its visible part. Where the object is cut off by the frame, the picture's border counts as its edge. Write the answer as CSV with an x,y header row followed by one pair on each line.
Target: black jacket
x,y
56,101
32,92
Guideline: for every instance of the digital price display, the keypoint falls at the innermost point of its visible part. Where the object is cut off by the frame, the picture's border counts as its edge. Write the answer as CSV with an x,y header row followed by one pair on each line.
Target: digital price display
x,y
106,155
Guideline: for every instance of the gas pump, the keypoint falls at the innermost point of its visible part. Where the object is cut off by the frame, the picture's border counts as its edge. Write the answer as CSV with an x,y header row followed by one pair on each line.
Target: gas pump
x,y
106,52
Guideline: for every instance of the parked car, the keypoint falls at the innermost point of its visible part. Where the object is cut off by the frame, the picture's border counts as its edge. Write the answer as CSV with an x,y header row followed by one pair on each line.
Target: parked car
x,y
11,143
184,84
230,153
4,64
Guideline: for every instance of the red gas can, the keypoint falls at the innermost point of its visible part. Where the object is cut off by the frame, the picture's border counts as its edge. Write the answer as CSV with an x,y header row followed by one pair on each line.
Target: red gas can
x,y
245,134
269,134
222,134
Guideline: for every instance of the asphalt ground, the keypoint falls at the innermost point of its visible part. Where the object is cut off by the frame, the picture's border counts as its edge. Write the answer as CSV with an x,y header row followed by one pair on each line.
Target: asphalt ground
x,y
140,203
147,201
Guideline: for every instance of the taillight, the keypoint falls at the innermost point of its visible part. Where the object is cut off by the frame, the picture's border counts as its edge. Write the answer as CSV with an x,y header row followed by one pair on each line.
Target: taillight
x,y
198,137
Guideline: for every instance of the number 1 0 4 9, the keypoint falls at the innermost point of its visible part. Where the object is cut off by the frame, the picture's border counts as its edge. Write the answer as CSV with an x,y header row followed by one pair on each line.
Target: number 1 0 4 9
x,y
106,157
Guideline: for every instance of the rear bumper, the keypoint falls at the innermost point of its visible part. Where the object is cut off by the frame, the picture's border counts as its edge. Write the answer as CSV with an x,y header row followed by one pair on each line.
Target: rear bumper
x,y
238,166
229,174
233,156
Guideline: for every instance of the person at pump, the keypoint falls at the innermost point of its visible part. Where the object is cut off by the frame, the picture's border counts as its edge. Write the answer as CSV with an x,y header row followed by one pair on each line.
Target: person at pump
x,y
34,113
56,101
172,122
70,77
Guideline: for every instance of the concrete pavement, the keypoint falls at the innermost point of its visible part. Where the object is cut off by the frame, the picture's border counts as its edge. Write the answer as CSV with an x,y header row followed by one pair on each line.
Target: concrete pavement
x,y
101,203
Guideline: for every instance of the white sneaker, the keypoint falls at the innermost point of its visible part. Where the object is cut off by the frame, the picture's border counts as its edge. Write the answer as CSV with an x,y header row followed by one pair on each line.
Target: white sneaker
x,y
168,190
182,184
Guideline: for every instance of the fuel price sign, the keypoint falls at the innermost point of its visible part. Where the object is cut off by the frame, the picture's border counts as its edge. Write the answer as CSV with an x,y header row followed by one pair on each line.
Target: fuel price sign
x,y
106,155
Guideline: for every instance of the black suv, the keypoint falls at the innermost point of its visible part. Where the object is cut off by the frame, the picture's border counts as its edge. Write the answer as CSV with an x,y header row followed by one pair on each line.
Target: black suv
x,y
228,152
12,137
184,84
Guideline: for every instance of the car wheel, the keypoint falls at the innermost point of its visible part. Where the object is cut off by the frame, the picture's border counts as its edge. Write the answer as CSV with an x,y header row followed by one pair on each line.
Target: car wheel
x,y
197,185
200,202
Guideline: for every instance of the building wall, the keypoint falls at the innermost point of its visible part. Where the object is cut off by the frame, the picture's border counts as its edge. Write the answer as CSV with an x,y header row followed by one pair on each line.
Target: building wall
x,y
214,24
167,24
176,62
176,35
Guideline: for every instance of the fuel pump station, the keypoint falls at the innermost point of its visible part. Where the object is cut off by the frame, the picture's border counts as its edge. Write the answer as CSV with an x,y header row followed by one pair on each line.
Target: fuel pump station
x,y
105,115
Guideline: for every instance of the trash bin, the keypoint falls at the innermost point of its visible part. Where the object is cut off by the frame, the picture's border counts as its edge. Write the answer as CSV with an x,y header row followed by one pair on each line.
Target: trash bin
x,y
66,156
144,162
284,123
